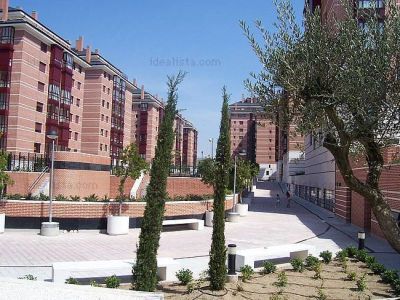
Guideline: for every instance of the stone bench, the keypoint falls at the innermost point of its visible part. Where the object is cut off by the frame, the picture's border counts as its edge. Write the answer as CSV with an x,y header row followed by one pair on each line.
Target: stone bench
x,y
167,267
280,254
194,224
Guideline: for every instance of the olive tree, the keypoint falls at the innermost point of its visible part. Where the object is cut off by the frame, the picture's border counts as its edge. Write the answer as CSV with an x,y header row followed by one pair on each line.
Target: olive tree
x,y
342,81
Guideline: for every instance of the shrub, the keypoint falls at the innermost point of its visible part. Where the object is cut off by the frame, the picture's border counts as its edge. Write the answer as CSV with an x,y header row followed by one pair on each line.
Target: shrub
x,y
311,262
269,267
370,260
94,283
190,287
377,268
341,255
282,280
351,276
361,255
362,283
396,287
326,256
28,277
297,264
318,269
105,198
75,198
278,296
321,295
71,281
239,287
61,198
351,251
247,272
91,198
14,196
390,276
43,197
184,276
112,282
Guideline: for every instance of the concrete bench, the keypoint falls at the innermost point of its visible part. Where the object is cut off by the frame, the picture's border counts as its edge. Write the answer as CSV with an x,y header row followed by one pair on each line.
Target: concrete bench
x,y
194,224
167,267
280,254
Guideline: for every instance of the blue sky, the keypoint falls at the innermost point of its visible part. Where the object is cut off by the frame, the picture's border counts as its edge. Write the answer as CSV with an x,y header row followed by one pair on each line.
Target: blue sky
x,y
150,39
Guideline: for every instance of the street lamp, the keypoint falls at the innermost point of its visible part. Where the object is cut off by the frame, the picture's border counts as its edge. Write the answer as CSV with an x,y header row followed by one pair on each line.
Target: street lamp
x,y
211,140
51,228
240,153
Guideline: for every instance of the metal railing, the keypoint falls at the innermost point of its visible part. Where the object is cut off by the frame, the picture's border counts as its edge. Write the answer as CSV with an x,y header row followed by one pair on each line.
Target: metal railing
x,y
183,171
27,162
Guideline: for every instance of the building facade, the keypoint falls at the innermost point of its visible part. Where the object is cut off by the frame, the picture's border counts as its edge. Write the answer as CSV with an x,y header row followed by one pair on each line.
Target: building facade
x,y
48,85
254,135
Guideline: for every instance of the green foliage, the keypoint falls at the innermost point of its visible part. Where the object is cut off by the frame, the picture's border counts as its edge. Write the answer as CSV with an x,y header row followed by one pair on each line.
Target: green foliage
x,y
184,276
91,198
112,282
351,251
396,287
326,256
370,260
318,270
131,164
352,276
345,265
377,268
278,296
362,283
247,272
61,198
206,169
71,280
269,267
245,172
341,255
28,277
361,255
75,198
282,280
297,264
43,197
14,196
217,267
191,197
190,287
145,270
5,179
311,261
390,276
94,283
321,295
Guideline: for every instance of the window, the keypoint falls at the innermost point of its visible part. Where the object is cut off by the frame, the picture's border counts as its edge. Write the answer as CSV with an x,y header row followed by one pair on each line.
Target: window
x,y
39,106
7,35
76,119
103,103
43,47
78,102
105,147
68,61
240,137
106,133
102,117
72,99
70,134
36,147
108,91
38,127
54,92
108,105
106,119
101,147
144,106
66,97
104,88
79,85
80,69
101,132
240,122
42,67
76,136
40,86
105,75
241,130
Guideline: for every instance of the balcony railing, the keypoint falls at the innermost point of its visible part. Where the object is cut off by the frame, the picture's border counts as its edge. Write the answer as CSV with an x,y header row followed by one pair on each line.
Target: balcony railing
x,y
26,162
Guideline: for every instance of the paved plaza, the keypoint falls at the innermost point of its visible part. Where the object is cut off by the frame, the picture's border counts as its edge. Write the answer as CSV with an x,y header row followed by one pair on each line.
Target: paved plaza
x,y
26,252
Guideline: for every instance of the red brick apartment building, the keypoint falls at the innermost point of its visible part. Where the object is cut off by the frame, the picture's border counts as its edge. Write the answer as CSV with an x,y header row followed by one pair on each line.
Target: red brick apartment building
x,y
252,133
46,84
317,179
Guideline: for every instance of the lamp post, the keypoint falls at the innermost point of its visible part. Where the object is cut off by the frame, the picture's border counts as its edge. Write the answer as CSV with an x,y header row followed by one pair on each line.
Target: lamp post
x,y
241,153
211,140
51,228
361,240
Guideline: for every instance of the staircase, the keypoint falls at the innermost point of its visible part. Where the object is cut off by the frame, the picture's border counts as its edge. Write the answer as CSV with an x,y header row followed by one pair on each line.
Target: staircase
x,y
41,184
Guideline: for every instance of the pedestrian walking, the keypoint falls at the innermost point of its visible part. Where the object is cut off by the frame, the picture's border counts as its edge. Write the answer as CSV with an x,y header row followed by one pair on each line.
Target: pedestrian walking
x,y
278,201
289,199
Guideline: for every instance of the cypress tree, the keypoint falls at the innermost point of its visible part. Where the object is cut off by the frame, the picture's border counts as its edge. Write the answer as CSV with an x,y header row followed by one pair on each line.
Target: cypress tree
x,y
217,264
145,270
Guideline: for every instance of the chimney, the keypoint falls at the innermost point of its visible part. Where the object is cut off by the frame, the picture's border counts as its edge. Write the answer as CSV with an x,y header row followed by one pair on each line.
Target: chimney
x,y
96,51
35,15
79,44
142,95
88,54
134,81
4,8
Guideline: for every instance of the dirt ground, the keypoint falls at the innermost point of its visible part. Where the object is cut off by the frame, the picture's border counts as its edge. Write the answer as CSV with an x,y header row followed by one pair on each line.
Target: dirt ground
x,y
335,285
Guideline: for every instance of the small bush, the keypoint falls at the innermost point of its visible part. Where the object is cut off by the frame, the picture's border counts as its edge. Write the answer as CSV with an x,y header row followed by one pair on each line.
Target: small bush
x,y
362,283
396,287
282,280
61,198
112,282
318,270
71,281
28,277
321,295
311,262
377,268
351,251
184,276
362,255
239,287
297,264
269,267
43,197
75,198
345,265
190,287
351,276
326,256
94,283
278,296
341,255
91,198
390,276
247,272
370,260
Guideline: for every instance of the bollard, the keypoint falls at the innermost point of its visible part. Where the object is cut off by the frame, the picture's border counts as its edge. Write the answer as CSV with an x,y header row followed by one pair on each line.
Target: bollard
x,y
361,240
231,259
